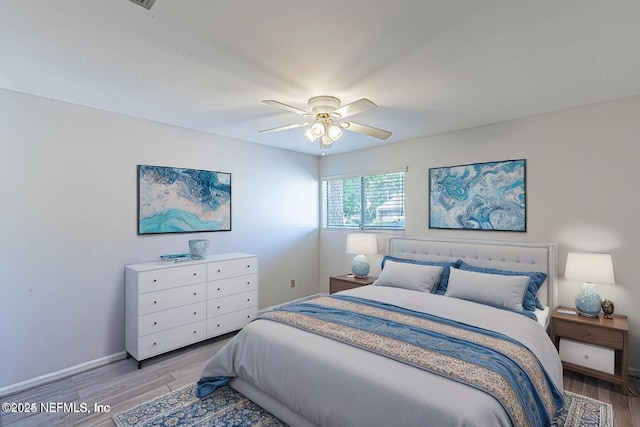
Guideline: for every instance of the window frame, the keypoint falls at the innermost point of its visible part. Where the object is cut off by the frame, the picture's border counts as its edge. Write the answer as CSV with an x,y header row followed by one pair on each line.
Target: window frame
x,y
361,176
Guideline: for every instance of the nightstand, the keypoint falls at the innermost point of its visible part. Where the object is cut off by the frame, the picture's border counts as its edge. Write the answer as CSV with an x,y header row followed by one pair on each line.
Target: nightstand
x,y
587,345
347,281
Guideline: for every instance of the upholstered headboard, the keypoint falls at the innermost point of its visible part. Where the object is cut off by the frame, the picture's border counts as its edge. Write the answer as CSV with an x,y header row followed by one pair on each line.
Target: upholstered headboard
x,y
515,256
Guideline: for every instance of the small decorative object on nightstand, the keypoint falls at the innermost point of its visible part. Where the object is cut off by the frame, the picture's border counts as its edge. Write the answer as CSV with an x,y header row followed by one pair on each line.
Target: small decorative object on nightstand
x,y
348,281
589,268
361,244
607,308
595,346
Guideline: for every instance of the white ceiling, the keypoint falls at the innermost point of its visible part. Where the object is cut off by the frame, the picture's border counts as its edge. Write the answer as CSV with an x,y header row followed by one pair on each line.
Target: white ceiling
x,y
432,66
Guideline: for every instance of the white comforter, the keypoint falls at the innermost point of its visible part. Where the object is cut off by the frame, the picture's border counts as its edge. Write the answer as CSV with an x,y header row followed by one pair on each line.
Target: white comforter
x,y
328,383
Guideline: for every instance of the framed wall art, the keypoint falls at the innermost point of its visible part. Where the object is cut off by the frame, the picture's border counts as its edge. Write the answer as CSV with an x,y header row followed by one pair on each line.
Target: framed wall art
x,y
479,196
178,200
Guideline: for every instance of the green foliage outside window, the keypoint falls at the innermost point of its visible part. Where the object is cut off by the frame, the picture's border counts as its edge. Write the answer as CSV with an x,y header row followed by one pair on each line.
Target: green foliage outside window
x,y
365,202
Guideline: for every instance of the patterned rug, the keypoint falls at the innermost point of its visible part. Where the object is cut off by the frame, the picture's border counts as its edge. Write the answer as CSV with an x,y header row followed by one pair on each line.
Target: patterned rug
x,y
226,407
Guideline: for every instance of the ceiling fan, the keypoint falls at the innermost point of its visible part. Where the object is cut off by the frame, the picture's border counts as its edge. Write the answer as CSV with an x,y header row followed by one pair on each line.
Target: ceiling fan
x,y
326,119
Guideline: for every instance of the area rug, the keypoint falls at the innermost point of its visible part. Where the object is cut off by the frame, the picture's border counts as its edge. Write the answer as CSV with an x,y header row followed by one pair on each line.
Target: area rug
x,y
226,407
181,407
582,411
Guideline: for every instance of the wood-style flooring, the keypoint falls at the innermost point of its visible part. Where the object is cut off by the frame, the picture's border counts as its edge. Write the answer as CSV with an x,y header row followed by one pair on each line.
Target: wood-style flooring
x,y
121,385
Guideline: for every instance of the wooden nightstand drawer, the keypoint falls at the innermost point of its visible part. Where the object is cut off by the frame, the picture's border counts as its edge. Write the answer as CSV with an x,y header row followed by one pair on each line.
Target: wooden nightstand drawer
x,y
589,356
590,334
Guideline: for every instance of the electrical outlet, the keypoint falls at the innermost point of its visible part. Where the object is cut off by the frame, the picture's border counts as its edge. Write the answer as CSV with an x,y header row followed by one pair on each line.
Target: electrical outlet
x,y
293,283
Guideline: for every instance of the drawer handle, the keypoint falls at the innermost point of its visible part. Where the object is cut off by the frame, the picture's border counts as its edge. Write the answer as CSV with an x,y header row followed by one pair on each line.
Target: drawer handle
x,y
154,344
155,302
586,356
218,325
195,293
248,317
248,283
248,299
155,323
248,266
218,288
218,307
154,280
195,274
194,313
218,270
194,332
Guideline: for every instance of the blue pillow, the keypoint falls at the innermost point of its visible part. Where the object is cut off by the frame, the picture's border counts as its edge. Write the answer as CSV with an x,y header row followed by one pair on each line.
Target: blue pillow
x,y
444,277
536,279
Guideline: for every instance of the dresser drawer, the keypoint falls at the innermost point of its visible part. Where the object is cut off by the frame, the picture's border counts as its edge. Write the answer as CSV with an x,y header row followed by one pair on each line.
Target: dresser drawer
x,y
171,339
590,334
235,267
170,277
225,305
232,285
587,355
230,322
167,319
163,300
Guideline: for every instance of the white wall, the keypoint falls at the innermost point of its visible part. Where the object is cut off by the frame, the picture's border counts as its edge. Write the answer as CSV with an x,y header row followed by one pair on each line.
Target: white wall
x,y
68,224
582,177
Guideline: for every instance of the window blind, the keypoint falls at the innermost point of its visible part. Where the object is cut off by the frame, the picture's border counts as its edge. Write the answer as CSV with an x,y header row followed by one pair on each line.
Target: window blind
x,y
365,202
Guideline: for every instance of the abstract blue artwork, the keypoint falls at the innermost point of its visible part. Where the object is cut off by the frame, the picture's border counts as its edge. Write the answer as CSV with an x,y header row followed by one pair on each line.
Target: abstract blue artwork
x,y
480,196
176,200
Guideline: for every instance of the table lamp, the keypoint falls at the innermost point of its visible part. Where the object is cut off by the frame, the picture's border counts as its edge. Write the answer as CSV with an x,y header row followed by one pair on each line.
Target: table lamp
x,y
589,268
361,244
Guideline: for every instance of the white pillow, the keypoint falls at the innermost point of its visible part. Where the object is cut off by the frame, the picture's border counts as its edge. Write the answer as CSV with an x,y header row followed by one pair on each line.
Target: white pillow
x,y
405,275
492,289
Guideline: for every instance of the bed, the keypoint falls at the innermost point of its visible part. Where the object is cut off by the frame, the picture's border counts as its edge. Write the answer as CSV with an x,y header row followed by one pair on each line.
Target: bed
x,y
396,353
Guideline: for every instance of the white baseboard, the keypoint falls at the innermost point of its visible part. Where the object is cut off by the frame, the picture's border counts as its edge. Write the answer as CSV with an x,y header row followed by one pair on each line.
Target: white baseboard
x,y
63,373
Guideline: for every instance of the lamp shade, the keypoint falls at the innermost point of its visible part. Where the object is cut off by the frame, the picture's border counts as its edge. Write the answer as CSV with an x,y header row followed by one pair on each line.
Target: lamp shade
x,y
362,244
589,267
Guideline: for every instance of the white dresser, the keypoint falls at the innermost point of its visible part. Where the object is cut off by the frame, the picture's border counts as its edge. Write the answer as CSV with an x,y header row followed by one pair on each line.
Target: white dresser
x,y
168,306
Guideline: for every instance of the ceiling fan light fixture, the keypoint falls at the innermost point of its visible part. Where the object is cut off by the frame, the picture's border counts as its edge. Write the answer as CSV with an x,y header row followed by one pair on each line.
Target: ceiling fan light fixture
x,y
334,132
324,119
310,136
317,129
323,145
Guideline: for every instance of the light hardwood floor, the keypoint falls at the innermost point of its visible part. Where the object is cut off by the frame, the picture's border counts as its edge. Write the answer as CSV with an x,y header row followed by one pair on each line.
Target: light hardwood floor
x,y
121,385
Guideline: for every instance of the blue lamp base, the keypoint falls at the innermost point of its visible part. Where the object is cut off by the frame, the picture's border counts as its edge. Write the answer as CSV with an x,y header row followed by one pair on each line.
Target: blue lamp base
x,y
360,266
588,301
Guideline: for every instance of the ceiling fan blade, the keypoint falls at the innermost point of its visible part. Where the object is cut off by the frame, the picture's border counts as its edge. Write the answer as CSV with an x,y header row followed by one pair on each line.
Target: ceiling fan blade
x,y
287,107
356,107
278,129
367,130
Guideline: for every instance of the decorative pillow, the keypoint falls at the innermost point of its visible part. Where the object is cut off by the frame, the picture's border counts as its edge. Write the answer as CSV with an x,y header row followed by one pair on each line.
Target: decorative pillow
x,y
536,279
491,289
409,276
444,277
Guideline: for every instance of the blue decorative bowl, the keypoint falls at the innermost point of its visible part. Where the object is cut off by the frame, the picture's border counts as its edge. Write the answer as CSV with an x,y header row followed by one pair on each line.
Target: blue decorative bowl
x,y
198,248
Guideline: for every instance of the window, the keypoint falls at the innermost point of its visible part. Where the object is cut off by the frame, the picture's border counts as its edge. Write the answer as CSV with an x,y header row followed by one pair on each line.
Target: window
x,y
364,202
